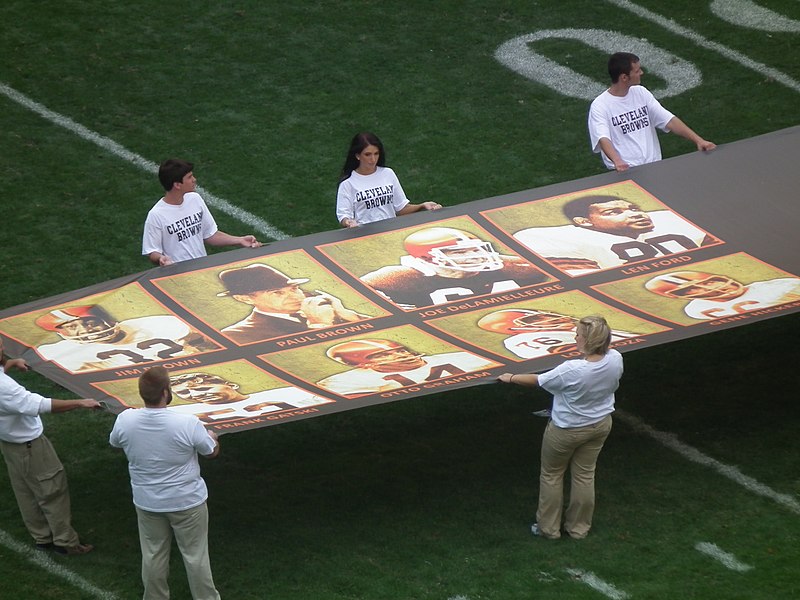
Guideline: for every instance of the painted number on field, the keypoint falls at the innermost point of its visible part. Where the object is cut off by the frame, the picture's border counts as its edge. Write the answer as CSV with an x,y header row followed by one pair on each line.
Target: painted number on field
x,y
746,13
519,55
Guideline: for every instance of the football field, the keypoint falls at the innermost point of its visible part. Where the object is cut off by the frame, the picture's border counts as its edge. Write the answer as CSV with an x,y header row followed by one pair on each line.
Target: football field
x,y
698,485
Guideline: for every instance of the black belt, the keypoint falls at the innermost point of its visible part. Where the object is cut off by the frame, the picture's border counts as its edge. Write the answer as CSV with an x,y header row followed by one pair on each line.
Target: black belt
x,y
26,444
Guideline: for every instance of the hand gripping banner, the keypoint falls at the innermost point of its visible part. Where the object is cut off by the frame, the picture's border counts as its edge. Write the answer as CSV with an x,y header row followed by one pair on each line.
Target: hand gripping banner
x,y
438,301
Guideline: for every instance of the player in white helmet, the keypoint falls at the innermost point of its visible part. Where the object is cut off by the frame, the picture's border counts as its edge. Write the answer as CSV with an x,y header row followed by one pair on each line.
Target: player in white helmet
x,y
93,340
713,296
444,264
382,365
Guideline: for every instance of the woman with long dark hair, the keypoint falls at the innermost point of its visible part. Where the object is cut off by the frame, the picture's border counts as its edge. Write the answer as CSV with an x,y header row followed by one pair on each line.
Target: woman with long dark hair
x,y
369,191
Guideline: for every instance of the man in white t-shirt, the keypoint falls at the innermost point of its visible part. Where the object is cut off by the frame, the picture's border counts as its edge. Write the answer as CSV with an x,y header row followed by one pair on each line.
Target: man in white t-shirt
x,y
609,231
623,119
169,494
180,224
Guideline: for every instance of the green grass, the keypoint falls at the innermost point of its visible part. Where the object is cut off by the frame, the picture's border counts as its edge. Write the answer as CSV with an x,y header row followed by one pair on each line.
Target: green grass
x,y
428,497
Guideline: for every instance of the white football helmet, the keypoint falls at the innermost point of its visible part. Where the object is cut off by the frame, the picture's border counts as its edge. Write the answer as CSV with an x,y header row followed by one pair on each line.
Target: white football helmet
x,y
511,321
453,249
695,285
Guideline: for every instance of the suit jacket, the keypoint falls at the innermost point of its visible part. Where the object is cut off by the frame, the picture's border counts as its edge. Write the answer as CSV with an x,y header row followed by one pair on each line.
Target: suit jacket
x,y
257,327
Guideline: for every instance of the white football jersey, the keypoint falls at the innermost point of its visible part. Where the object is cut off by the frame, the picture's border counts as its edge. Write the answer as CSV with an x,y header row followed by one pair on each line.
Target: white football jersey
x,y
260,403
759,294
671,234
438,366
146,339
543,343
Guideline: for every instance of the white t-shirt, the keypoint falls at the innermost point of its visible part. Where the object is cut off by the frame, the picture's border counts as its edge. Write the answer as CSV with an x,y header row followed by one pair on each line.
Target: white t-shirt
x,y
583,391
178,230
671,234
759,294
19,411
370,198
162,448
630,123
438,366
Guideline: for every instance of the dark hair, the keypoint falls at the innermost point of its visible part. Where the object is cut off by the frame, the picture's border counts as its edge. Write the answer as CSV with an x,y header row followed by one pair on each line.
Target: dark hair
x,y
357,145
580,206
172,171
152,384
621,63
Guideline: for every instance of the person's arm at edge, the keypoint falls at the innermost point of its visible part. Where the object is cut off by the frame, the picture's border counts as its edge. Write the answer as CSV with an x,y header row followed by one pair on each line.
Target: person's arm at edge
x,y
220,238
215,452
59,406
412,208
160,260
524,379
13,363
608,149
680,128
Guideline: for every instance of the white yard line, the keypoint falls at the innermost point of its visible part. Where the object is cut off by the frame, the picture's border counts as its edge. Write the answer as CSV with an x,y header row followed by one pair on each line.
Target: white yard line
x,y
597,584
258,224
726,558
733,473
698,39
41,559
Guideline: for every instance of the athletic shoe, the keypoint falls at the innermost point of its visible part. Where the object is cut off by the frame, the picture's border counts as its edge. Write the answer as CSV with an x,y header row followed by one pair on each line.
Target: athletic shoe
x,y
535,529
73,550
544,413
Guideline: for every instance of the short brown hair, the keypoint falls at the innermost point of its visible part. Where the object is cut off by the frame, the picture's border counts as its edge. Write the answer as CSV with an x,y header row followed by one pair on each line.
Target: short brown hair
x,y
172,171
152,384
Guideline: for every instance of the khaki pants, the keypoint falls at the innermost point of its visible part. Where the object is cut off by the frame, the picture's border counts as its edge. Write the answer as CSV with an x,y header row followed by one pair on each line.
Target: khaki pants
x,y
191,532
40,486
578,449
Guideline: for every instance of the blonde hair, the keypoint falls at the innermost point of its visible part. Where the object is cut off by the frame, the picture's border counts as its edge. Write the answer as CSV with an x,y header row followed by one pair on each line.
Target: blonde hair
x,y
596,334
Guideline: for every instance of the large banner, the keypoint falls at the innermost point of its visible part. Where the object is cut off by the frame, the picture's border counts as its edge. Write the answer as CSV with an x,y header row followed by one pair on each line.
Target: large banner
x,y
438,301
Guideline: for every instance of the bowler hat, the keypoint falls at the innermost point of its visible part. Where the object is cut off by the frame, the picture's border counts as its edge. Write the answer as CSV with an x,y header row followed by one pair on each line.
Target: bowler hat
x,y
254,278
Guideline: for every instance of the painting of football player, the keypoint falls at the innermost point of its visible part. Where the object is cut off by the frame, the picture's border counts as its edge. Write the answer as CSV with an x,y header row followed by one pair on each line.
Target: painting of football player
x,y
384,365
537,333
713,296
213,398
92,339
609,231
444,264
280,305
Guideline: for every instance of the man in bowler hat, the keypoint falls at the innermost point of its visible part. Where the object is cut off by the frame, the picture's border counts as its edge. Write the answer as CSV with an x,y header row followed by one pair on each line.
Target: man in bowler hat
x,y
280,305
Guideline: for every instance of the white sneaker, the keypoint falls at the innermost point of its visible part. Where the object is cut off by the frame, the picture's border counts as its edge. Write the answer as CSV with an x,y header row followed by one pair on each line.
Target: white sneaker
x,y
544,413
